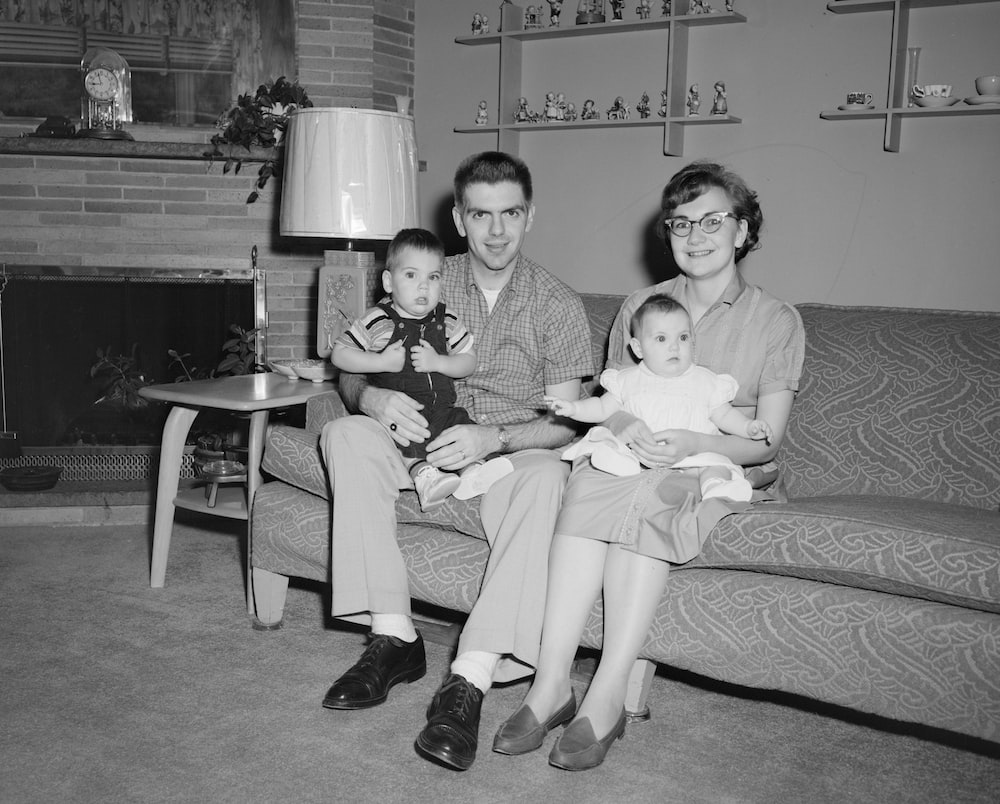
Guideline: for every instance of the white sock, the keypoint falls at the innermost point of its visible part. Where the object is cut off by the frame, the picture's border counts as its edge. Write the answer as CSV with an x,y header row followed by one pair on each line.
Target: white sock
x,y
476,667
394,625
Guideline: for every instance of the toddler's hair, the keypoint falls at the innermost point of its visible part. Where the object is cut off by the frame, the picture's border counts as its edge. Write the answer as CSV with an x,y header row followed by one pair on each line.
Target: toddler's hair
x,y
420,239
658,302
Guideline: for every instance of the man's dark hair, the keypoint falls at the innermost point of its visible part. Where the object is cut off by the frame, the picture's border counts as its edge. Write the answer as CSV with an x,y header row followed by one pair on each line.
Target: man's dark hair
x,y
491,167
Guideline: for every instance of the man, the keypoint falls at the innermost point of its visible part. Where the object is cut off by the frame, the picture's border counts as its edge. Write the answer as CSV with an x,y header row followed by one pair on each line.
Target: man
x,y
532,337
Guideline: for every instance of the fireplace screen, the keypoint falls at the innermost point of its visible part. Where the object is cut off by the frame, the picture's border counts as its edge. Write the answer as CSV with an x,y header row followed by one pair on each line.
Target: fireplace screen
x,y
73,345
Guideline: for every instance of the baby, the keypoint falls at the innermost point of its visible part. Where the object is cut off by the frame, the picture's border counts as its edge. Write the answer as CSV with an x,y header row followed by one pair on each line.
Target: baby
x,y
667,391
409,342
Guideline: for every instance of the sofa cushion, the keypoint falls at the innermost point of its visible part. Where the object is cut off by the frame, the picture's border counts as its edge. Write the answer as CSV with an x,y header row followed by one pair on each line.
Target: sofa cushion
x,y
934,551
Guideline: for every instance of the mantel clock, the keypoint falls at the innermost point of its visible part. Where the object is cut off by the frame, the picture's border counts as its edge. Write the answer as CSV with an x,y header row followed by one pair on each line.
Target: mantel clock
x,y
106,96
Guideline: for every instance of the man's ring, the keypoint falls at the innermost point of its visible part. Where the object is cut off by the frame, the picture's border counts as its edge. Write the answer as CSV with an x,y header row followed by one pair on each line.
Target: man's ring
x,y
393,427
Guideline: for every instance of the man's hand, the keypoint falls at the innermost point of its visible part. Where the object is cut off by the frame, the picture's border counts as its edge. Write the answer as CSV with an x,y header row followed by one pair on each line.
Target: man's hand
x,y
425,358
397,412
461,445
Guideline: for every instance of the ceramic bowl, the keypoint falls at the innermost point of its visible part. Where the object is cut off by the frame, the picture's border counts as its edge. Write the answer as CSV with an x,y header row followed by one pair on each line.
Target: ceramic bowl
x,y
314,370
988,85
283,367
929,102
30,478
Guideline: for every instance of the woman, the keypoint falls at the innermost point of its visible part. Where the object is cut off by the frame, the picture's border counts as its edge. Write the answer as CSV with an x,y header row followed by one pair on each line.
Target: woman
x,y
620,534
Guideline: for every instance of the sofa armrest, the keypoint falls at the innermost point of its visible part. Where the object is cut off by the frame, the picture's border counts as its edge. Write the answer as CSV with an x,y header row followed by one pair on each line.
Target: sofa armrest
x,y
321,409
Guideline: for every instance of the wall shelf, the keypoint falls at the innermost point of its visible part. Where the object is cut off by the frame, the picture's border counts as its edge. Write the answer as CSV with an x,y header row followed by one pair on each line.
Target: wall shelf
x,y
897,110
513,36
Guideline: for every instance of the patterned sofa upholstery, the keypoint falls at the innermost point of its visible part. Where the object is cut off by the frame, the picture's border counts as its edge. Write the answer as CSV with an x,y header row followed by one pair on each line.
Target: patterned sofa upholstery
x,y
875,586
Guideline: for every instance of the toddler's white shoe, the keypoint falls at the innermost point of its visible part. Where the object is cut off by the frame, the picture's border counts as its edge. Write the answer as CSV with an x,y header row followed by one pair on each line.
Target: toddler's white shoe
x,y
478,478
615,459
433,486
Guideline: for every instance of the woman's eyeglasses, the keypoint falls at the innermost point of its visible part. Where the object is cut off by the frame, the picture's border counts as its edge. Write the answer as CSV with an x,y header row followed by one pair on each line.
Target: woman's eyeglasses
x,y
710,223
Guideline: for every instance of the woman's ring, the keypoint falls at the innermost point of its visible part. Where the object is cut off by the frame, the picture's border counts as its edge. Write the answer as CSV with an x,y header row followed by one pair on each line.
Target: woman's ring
x,y
393,427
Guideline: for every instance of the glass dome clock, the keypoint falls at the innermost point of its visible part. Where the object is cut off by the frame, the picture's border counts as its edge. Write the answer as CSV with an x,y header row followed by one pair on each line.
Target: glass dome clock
x,y
106,96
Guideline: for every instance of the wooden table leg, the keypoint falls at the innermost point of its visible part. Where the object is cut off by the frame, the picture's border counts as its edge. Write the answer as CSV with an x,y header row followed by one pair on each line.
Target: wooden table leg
x,y
175,431
255,452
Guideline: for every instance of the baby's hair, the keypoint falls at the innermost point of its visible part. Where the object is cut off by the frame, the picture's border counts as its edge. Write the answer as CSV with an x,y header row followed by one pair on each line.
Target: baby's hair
x,y
659,303
420,239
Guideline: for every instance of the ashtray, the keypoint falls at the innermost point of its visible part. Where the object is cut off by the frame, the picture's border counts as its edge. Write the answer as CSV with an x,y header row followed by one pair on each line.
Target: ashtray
x,y
223,469
30,478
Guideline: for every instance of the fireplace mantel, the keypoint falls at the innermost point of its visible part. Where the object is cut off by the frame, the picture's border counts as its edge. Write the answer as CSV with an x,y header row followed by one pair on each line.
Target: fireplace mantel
x,y
127,149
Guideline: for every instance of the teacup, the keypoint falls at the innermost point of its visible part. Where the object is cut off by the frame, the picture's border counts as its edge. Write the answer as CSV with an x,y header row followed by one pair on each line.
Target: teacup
x,y
932,91
988,85
859,98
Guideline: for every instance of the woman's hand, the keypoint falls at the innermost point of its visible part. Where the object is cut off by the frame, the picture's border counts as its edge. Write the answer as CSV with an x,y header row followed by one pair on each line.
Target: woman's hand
x,y
665,448
397,412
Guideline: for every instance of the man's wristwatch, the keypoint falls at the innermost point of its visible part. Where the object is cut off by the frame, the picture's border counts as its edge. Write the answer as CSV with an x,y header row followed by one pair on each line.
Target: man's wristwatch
x,y
504,438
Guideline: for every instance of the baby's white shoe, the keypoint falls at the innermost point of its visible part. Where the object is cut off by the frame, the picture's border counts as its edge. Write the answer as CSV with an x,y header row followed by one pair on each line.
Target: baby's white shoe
x,y
434,486
739,490
478,478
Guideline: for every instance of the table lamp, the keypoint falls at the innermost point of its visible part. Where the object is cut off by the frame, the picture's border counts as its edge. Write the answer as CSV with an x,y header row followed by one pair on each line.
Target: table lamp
x,y
350,174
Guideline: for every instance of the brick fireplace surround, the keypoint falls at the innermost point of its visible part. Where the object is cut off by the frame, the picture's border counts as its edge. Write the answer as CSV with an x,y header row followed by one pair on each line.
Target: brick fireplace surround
x,y
158,203
171,208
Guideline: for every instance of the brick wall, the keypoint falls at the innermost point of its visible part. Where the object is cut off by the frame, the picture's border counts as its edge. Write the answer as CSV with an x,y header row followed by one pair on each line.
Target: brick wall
x,y
185,213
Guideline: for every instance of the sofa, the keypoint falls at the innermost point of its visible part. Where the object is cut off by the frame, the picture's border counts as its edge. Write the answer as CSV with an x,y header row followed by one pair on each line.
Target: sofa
x,y
873,583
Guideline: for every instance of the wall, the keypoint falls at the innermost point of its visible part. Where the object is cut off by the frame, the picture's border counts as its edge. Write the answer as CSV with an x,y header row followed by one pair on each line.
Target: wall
x,y
109,211
846,222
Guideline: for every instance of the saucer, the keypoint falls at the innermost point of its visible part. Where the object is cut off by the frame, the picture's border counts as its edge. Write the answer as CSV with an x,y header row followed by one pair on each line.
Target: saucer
x,y
855,107
982,100
932,102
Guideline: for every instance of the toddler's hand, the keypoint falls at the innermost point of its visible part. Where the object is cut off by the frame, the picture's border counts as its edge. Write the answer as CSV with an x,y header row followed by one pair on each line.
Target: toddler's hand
x,y
561,407
424,357
760,430
393,357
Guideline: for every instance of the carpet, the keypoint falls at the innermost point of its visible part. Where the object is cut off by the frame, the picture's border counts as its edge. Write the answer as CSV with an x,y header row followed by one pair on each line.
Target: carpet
x,y
115,692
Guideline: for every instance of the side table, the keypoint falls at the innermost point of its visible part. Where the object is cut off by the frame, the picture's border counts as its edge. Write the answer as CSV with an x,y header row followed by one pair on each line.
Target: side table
x,y
256,394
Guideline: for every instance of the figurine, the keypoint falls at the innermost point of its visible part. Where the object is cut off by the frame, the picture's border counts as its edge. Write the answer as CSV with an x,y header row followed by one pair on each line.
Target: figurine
x,y
699,7
570,115
555,9
477,24
719,105
643,9
589,111
642,107
693,101
663,103
482,116
532,18
616,9
486,24
666,8
551,108
590,11
729,5
619,110
522,115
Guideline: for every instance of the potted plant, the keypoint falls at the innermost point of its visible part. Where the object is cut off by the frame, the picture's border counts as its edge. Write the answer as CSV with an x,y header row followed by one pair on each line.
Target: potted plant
x,y
258,120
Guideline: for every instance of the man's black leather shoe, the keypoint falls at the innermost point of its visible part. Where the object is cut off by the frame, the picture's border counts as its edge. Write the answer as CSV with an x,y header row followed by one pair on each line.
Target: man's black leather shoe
x,y
386,662
452,731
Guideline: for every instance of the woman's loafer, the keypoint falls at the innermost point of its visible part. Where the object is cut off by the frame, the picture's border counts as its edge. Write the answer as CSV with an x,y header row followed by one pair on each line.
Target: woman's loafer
x,y
522,732
578,747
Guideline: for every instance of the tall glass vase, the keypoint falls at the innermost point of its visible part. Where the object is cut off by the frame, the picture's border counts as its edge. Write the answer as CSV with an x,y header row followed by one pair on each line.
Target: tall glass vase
x,y
912,62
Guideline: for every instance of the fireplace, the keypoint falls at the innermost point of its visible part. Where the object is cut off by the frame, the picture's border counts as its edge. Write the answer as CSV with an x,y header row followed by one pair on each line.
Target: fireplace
x,y
54,321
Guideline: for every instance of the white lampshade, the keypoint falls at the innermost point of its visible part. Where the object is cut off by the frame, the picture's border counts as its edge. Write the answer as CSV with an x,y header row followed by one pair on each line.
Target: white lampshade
x,y
349,173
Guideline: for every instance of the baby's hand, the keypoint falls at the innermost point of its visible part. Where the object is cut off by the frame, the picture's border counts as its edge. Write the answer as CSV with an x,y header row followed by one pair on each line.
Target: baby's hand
x,y
393,357
760,430
561,407
424,357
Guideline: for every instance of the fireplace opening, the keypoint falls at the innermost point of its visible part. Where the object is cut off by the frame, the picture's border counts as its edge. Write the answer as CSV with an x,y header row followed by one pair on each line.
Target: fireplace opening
x,y
54,321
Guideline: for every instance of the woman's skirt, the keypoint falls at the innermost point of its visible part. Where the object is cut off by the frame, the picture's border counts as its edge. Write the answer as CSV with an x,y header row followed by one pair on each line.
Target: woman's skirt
x,y
658,513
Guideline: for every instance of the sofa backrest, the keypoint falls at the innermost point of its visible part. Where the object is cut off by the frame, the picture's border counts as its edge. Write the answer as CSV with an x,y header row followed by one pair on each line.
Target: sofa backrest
x,y
899,402
893,401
